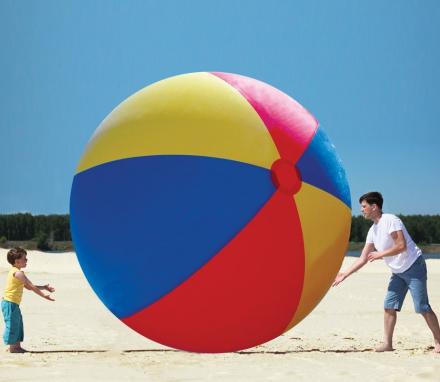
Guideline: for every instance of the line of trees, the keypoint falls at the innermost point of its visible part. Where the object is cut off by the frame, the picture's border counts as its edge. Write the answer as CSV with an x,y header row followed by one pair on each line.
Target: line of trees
x,y
21,227
424,229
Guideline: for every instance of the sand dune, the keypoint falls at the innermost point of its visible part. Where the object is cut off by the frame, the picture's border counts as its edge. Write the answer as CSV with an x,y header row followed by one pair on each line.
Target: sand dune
x,y
77,338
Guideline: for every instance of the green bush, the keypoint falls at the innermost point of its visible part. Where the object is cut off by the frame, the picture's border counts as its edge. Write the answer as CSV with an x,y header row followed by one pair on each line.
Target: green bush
x,y
42,240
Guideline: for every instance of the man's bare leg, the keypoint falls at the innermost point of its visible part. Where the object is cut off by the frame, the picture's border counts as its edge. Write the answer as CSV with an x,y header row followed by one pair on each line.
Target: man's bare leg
x,y
432,321
389,320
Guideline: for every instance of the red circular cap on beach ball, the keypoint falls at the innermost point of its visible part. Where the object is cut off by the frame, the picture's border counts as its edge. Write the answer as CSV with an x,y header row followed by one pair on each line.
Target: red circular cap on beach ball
x,y
286,176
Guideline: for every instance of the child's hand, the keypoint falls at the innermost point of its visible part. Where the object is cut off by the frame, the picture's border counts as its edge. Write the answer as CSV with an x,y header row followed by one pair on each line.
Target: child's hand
x,y
49,297
49,288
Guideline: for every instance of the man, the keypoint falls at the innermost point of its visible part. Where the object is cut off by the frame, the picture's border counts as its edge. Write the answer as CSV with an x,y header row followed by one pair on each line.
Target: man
x,y
389,239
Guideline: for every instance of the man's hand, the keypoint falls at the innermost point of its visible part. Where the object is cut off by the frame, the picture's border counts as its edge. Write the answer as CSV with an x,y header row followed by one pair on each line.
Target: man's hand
x,y
374,256
339,278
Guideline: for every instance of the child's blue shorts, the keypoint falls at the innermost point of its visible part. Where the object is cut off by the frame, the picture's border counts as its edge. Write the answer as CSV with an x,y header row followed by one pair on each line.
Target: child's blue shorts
x,y
413,279
13,323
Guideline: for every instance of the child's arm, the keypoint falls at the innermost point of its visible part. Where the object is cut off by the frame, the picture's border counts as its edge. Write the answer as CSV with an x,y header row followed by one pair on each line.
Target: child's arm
x,y
28,285
43,287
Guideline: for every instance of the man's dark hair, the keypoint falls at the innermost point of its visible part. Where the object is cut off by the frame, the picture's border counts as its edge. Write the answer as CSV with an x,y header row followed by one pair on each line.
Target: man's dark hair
x,y
372,198
15,254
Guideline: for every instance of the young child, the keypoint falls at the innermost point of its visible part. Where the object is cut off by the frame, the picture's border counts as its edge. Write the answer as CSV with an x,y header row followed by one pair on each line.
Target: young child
x,y
15,282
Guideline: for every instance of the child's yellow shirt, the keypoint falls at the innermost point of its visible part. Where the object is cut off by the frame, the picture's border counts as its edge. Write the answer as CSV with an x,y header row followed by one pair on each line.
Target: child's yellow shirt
x,y
14,287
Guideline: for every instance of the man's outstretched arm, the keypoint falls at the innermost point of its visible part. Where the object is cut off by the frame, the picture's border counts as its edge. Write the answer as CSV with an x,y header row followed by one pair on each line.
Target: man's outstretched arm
x,y
358,264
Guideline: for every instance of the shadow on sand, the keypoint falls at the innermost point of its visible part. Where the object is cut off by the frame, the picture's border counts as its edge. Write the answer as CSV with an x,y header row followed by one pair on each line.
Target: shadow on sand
x,y
242,352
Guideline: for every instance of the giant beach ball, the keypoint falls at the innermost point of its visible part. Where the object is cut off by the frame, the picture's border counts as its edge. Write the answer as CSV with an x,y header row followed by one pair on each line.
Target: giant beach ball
x,y
210,212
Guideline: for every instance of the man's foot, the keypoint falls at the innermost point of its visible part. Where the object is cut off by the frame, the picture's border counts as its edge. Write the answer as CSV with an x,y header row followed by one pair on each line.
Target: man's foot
x,y
382,348
437,348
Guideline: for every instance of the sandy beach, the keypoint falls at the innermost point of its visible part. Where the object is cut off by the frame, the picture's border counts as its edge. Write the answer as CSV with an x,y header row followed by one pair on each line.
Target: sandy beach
x,y
76,338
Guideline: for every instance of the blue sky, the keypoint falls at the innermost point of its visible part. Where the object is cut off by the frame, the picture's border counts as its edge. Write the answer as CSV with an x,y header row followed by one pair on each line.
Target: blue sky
x,y
368,70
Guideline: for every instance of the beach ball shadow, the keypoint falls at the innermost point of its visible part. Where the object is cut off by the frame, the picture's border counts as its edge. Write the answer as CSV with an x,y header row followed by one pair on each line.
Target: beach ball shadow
x,y
210,212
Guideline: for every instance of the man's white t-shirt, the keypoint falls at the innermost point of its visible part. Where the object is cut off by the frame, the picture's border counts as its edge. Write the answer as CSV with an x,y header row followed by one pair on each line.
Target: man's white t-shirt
x,y
380,235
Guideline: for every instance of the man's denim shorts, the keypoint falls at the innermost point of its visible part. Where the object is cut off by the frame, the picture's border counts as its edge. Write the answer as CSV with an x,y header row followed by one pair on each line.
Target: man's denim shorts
x,y
413,279
13,323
